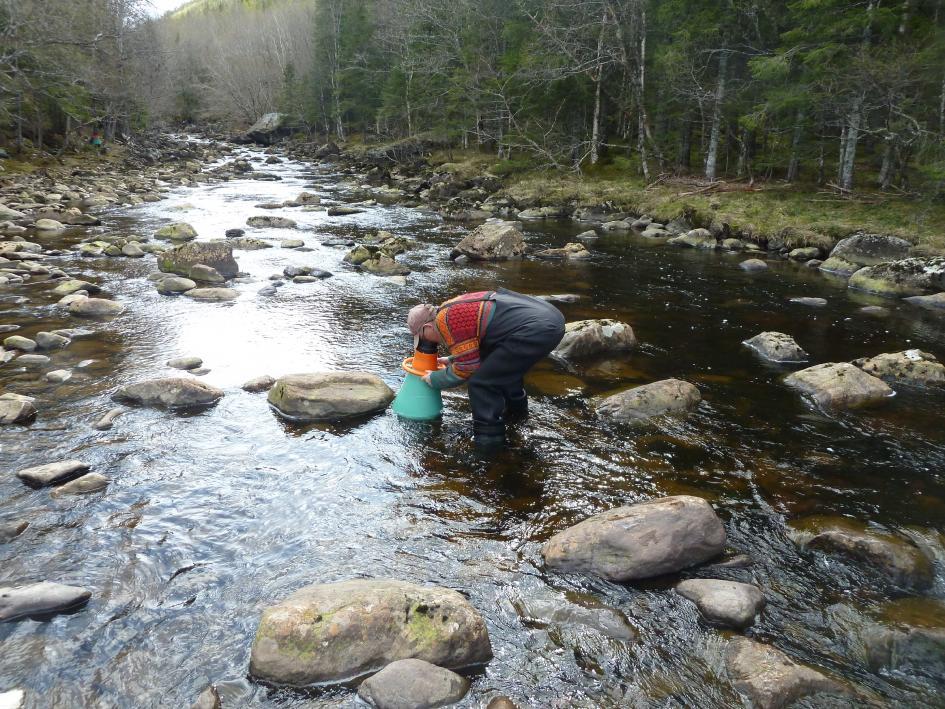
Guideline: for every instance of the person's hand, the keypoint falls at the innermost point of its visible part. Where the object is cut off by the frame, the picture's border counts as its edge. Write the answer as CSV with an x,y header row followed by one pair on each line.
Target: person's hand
x,y
426,378
443,360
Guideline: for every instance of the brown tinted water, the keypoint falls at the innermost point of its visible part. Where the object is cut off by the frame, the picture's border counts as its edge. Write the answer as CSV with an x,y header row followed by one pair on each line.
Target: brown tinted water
x,y
212,516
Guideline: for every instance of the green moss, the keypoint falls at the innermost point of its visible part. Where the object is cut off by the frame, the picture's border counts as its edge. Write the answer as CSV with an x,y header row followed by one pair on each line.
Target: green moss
x,y
422,628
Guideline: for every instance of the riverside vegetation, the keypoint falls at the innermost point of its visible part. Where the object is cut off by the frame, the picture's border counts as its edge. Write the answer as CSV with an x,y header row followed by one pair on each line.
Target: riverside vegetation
x,y
727,491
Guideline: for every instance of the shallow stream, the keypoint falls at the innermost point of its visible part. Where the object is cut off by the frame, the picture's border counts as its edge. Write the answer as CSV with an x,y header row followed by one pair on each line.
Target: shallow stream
x,y
212,516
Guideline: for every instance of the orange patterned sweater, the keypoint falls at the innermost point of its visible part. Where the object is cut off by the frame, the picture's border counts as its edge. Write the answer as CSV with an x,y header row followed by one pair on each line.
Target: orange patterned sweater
x,y
462,322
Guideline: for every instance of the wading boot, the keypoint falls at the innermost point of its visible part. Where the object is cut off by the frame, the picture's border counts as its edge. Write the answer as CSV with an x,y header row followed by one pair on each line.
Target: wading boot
x,y
516,408
488,435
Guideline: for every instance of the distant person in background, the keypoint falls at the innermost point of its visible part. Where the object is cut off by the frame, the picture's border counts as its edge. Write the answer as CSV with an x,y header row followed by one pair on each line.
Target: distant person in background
x,y
96,141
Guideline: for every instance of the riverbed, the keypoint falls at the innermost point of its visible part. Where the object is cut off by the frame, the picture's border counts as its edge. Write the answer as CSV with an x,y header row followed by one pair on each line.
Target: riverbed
x,y
214,515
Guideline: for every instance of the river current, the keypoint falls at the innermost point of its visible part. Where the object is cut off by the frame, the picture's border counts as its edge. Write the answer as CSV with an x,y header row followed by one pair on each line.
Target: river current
x,y
212,516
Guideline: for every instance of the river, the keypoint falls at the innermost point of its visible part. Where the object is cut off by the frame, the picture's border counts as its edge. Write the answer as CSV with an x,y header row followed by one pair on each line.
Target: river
x,y
212,516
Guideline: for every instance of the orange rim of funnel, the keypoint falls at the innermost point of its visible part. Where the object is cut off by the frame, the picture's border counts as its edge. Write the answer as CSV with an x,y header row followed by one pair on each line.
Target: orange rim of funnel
x,y
409,367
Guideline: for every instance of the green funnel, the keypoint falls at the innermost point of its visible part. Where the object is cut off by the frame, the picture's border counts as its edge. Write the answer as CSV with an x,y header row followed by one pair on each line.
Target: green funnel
x,y
417,400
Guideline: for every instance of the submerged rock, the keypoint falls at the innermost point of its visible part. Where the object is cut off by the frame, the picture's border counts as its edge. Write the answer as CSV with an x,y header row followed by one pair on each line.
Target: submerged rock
x,y
570,251
11,530
52,473
92,482
753,265
337,631
929,302
576,610
51,341
642,403
171,392
181,231
810,302
40,599
769,678
183,259
727,603
492,241
590,338
777,347
108,420
329,395
413,684
913,276
898,558
909,367
871,249
839,385
212,295
640,541
208,699
909,637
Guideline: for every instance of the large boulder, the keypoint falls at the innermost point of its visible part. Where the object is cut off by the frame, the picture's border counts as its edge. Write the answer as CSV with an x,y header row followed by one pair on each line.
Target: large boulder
x,y
179,231
911,276
727,603
172,392
640,541
642,403
839,385
215,254
329,396
897,558
777,347
413,684
492,241
590,338
909,367
871,249
269,129
338,631
769,678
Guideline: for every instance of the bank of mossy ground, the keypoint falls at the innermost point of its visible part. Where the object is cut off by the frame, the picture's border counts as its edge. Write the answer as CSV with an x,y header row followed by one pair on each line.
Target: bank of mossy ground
x,y
788,215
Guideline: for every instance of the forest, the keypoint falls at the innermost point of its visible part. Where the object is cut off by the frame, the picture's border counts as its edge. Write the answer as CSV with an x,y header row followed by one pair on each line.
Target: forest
x,y
843,94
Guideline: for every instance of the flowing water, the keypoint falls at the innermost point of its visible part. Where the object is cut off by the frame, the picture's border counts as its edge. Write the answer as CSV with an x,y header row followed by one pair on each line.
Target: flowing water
x,y
212,516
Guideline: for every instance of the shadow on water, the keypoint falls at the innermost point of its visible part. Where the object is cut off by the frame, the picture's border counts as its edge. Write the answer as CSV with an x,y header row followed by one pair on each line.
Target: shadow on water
x,y
213,515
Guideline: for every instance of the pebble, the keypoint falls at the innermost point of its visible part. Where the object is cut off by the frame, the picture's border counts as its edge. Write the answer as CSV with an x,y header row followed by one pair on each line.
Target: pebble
x,y
108,420
185,362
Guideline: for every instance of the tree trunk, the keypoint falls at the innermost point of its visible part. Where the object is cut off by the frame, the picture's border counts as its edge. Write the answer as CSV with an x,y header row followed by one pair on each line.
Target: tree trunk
x,y
744,150
598,78
843,148
941,110
685,144
19,121
888,169
794,163
849,151
711,158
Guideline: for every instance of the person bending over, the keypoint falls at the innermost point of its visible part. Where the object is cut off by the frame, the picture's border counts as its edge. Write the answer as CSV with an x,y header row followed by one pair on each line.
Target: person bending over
x,y
493,339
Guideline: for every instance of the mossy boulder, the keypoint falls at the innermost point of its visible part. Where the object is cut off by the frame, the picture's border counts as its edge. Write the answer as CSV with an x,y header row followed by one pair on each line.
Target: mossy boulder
x,y
911,276
339,631
215,254
180,231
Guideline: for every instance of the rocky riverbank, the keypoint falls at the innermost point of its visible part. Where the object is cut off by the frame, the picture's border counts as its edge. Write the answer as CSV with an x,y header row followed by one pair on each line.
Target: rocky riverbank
x,y
421,643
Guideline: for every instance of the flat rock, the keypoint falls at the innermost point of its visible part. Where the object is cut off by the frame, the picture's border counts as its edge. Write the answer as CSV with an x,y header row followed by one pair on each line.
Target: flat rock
x,y
212,295
52,473
40,599
913,367
929,302
871,249
58,376
339,631
591,338
777,347
329,395
726,603
492,241
185,363
92,482
769,678
95,308
259,384
72,285
642,403
33,360
839,385
640,541
171,392
896,557
753,265
15,411
413,684
343,211
271,222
